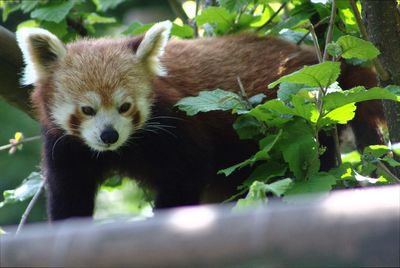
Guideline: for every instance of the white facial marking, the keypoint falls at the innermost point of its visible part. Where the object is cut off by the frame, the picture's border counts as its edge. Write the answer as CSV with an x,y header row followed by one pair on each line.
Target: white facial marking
x,y
94,126
61,114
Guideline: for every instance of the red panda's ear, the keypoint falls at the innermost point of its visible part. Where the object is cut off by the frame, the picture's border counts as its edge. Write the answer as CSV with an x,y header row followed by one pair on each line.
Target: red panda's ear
x,y
40,50
152,46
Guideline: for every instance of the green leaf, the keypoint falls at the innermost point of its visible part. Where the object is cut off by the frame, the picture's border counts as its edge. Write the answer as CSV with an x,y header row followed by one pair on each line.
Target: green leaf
x,y
317,184
216,100
340,115
248,127
59,29
233,5
319,75
218,17
334,49
54,11
28,6
26,190
104,5
184,31
337,99
266,145
391,161
308,111
137,28
353,47
375,151
265,172
94,18
291,22
256,197
299,149
280,187
287,90
9,8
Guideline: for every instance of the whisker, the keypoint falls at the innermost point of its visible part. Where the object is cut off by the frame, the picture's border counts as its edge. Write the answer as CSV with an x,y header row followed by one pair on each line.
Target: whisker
x,y
54,145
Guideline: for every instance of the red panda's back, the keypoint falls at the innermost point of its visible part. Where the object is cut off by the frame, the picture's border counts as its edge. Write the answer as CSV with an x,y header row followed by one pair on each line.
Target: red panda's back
x,y
216,62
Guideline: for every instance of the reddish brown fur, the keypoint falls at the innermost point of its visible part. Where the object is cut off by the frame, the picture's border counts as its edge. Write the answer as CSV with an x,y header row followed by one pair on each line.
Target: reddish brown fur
x,y
185,164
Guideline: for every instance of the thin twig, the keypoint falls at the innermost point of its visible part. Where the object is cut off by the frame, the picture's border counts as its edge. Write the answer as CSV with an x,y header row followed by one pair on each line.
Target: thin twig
x,y
330,30
30,206
194,23
178,10
243,93
383,74
273,16
9,146
387,170
336,142
316,44
325,58
315,27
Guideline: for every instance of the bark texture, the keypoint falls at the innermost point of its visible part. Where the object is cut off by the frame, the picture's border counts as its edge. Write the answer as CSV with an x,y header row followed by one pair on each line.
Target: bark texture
x,y
382,20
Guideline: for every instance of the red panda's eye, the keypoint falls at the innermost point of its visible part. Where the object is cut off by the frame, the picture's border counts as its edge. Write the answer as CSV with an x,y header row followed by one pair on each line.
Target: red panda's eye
x,y
87,110
124,107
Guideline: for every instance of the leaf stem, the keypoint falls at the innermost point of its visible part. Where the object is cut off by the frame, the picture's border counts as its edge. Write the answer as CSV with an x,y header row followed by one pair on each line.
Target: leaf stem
x,y
330,30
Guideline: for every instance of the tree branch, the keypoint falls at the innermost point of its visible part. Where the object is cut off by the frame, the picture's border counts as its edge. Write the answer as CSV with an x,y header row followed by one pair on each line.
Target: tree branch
x,y
10,68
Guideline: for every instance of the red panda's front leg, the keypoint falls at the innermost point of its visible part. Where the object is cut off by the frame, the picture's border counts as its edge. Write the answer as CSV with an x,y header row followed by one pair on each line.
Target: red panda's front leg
x,y
71,178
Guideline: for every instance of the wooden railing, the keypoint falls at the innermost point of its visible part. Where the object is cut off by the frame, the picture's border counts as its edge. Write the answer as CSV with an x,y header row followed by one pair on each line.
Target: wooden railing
x,y
350,228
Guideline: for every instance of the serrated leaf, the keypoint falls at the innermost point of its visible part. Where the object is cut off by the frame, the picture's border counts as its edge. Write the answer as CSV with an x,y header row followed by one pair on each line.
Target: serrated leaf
x,y
341,115
337,99
280,187
218,17
334,49
216,100
299,149
317,184
319,75
26,190
54,11
353,47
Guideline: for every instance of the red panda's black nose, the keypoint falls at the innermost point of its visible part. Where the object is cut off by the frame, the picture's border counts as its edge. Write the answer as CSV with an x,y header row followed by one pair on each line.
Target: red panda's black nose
x,y
109,135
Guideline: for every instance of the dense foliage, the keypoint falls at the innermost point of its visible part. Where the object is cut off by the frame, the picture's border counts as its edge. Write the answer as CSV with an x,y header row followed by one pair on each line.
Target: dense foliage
x,y
309,101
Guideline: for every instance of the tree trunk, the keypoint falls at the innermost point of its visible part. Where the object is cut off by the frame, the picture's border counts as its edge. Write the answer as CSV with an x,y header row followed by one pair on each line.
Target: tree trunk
x,y
382,20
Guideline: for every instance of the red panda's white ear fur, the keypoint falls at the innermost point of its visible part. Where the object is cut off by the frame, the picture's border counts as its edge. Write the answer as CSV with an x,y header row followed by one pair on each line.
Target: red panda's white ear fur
x,y
40,49
152,47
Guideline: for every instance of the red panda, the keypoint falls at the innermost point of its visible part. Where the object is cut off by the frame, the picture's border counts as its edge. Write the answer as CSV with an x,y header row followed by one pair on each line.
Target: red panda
x,y
107,106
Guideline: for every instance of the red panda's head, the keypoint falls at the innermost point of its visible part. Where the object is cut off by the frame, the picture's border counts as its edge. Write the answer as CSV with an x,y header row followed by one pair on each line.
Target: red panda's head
x,y
98,90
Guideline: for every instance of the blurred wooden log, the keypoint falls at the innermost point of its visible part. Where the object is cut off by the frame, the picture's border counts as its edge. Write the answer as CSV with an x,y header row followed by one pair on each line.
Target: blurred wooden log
x,y
352,228
10,69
